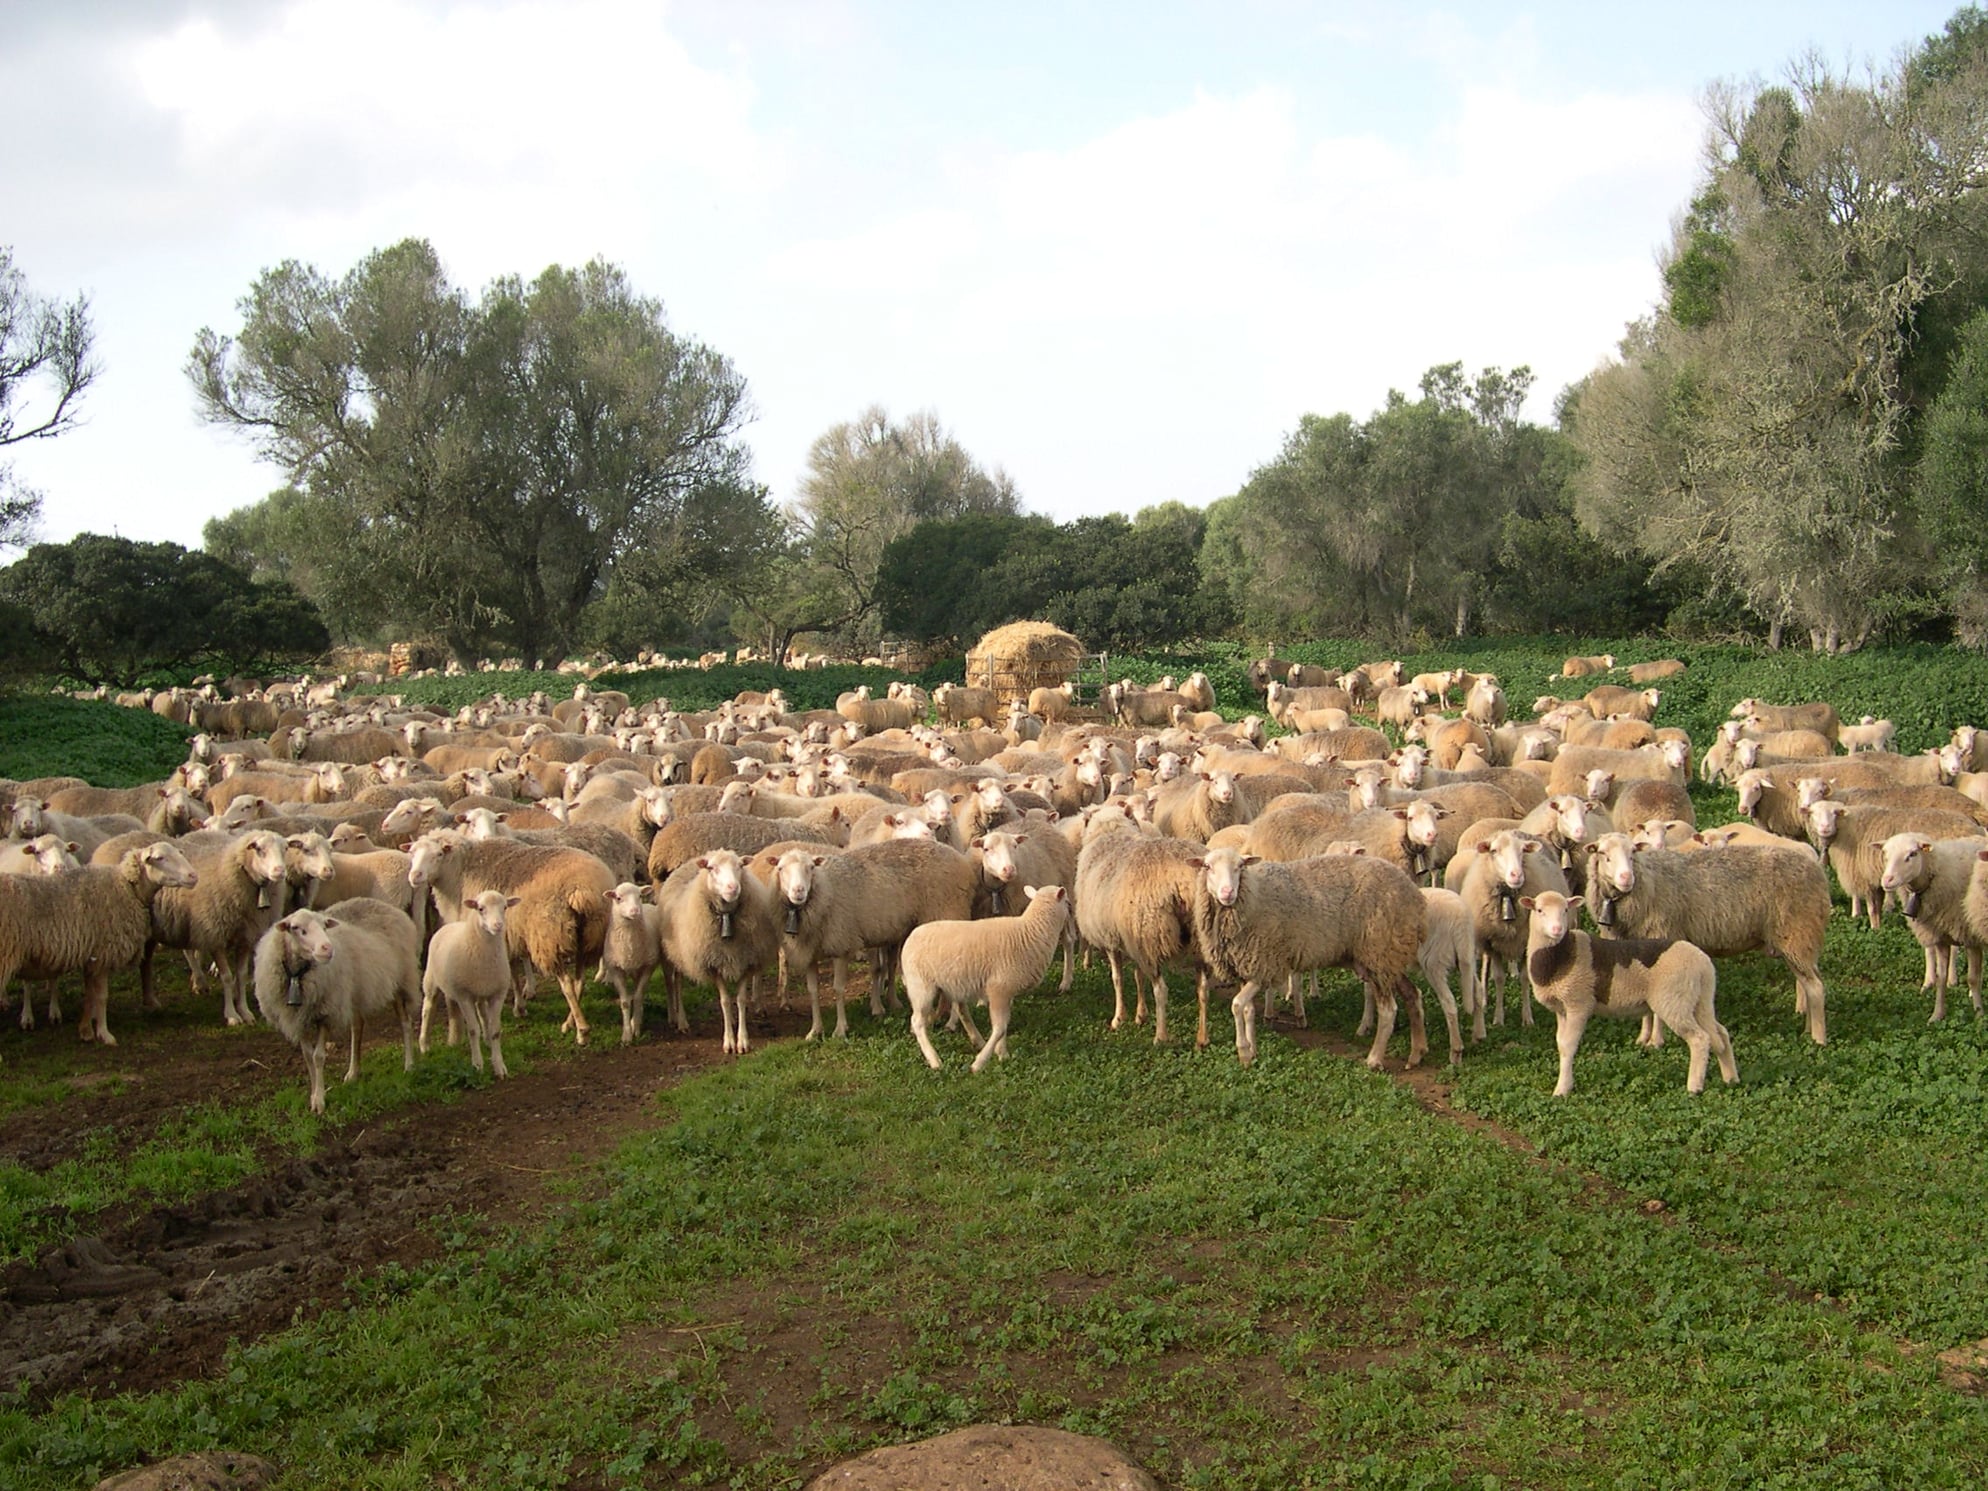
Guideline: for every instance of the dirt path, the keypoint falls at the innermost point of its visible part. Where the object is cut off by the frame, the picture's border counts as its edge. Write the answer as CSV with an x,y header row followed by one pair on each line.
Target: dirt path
x,y
152,1296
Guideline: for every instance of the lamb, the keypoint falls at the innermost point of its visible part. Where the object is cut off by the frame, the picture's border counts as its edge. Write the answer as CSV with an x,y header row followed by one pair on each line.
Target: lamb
x,y
469,964
1258,922
242,883
1933,884
1575,975
718,927
632,950
317,978
1581,667
1852,838
987,962
561,921
1866,735
836,906
1737,900
93,921
1818,717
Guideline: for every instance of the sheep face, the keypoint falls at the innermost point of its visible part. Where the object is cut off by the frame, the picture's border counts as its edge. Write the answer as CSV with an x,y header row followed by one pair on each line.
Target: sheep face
x,y
1614,857
1599,784
1904,864
479,825
1222,872
724,883
1552,915
1508,850
1221,786
167,867
306,945
1570,816
1809,791
1823,818
28,822
307,858
424,859
261,859
1752,786
625,901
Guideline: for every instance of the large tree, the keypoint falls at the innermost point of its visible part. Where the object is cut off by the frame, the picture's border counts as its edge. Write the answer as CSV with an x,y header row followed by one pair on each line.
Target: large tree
x,y
46,346
108,609
477,469
1761,425
870,480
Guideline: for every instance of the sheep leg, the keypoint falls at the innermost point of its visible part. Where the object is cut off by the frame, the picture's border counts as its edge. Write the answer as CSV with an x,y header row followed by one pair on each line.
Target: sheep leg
x,y
633,993
1930,979
314,1061
961,1008
1809,981
95,1025
842,984
1201,998
1366,1025
1139,989
1974,977
1488,967
731,1012
576,1019
923,998
1384,1007
1118,988
53,989
1069,958
1573,1020
358,1035
999,1005
813,981
1243,1007
148,994
1722,1043
1439,980
1472,994
673,987
1698,1040
1418,1034
1939,975
404,1006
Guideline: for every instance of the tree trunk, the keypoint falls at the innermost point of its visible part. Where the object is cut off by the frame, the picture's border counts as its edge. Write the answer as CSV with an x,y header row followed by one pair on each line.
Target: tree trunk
x,y
1774,635
1462,615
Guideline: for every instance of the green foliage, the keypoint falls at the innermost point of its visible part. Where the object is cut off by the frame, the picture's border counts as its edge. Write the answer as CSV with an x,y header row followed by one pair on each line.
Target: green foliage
x,y
112,609
46,348
44,735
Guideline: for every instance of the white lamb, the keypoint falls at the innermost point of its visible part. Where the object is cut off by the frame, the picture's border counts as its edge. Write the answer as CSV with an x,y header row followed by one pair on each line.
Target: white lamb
x,y
987,962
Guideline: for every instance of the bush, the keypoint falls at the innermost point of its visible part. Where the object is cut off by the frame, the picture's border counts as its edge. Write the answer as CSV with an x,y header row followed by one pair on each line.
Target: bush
x,y
48,735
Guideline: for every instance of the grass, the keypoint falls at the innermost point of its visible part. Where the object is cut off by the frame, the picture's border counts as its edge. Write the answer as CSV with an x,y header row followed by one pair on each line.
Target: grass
x,y
1294,1276
45,735
1290,1276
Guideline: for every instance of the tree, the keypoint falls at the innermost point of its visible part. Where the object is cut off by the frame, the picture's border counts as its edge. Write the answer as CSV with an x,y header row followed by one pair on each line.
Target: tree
x,y
110,609
479,470
42,342
868,481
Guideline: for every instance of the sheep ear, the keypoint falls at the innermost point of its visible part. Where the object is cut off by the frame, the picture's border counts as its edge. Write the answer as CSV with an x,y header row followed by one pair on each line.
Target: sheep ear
x,y
1483,846
1575,903
820,859
1592,849
1527,902
510,901
1252,859
1532,847
1202,864
979,843
332,921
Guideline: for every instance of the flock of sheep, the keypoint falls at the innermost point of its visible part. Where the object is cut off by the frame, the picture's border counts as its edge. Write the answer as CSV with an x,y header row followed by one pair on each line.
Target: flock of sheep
x,y
327,859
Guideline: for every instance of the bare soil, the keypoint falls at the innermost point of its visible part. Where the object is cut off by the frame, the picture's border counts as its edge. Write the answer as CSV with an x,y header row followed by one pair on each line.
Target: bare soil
x,y
150,1296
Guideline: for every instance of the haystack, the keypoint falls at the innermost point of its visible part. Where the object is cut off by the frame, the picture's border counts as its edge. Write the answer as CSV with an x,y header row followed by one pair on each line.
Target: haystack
x,y
1021,656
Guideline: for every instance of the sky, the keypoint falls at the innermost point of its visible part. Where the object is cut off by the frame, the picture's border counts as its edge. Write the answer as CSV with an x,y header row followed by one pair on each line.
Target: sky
x,y
1118,249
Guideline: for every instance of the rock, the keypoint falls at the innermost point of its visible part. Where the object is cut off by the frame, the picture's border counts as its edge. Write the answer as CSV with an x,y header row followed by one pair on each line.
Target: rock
x,y
209,1470
991,1457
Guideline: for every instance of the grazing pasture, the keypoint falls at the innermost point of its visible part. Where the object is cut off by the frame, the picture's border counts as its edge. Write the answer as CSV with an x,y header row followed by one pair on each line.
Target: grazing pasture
x,y
657,1266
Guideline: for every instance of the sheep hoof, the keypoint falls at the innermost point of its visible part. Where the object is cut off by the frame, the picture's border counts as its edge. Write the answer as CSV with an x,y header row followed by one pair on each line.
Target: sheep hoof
x,y
1376,1064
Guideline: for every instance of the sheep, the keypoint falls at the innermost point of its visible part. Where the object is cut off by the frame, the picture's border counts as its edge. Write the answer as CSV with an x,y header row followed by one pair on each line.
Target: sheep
x,y
1819,717
1867,735
1772,747
1581,667
1150,707
1399,706
1851,839
987,962
718,927
836,906
1449,944
1728,834
1575,975
94,921
1281,699
1737,900
1665,762
317,977
631,951
1196,806
1198,692
1639,802
690,835
469,965
373,875
1503,868
1939,799
1932,881
242,883
1006,859
1611,698
561,922
1662,668
31,818
953,704
1485,703
1052,704
1256,922
875,715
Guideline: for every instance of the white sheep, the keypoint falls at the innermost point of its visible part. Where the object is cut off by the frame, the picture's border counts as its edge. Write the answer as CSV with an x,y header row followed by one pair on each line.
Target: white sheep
x,y
987,962
469,965
718,928
1932,881
243,880
93,921
318,977
1574,975
1737,900
631,952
